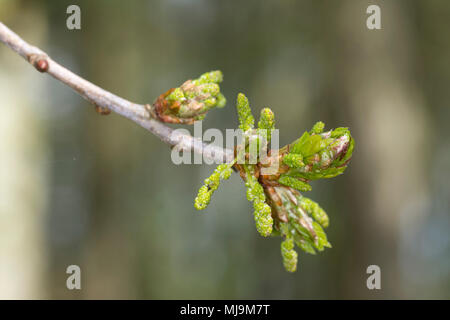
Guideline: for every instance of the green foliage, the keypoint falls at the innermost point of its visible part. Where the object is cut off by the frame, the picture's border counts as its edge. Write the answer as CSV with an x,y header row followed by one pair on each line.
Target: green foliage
x,y
303,223
318,155
279,207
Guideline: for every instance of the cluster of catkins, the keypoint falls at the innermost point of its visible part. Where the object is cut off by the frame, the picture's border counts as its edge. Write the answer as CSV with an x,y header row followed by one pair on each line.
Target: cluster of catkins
x,y
279,207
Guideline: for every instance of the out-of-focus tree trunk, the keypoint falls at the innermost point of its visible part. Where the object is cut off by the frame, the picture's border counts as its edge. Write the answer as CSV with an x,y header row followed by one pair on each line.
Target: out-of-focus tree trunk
x,y
375,78
23,179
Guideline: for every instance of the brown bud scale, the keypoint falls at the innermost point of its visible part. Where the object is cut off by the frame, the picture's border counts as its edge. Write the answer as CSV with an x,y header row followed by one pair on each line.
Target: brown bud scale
x,y
102,110
41,65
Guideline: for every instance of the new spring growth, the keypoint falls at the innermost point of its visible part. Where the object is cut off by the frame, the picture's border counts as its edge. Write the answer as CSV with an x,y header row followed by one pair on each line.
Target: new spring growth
x,y
246,120
315,155
266,123
262,212
289,255
255,191
279,207
190,101
299,219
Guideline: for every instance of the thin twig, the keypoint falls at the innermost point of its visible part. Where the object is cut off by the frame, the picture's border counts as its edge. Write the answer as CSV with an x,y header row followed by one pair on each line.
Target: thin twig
x,y
102,98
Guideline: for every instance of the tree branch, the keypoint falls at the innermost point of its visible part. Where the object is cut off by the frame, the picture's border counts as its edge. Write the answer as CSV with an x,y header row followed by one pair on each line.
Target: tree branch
x,y
102,98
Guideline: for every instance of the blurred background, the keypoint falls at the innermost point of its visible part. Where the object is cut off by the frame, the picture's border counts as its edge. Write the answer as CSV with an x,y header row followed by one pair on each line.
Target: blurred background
x,y
102,193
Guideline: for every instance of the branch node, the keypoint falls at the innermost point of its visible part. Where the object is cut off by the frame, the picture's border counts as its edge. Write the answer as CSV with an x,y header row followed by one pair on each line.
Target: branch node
x,y
39,61
102,110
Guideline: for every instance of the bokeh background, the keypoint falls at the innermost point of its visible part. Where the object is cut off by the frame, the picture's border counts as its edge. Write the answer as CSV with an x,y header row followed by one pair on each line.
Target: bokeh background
x,y
102,193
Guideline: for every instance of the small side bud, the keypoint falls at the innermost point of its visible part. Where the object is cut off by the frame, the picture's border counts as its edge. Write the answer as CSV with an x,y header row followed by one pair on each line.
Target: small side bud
x,y
41,65
191,101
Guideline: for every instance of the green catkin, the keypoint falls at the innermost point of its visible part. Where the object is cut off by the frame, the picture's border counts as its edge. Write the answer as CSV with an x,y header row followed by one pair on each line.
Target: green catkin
x,y
262,212
294,183
293,160
321,240
266,123
289,255
318,127
246,119
205,192
315,211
